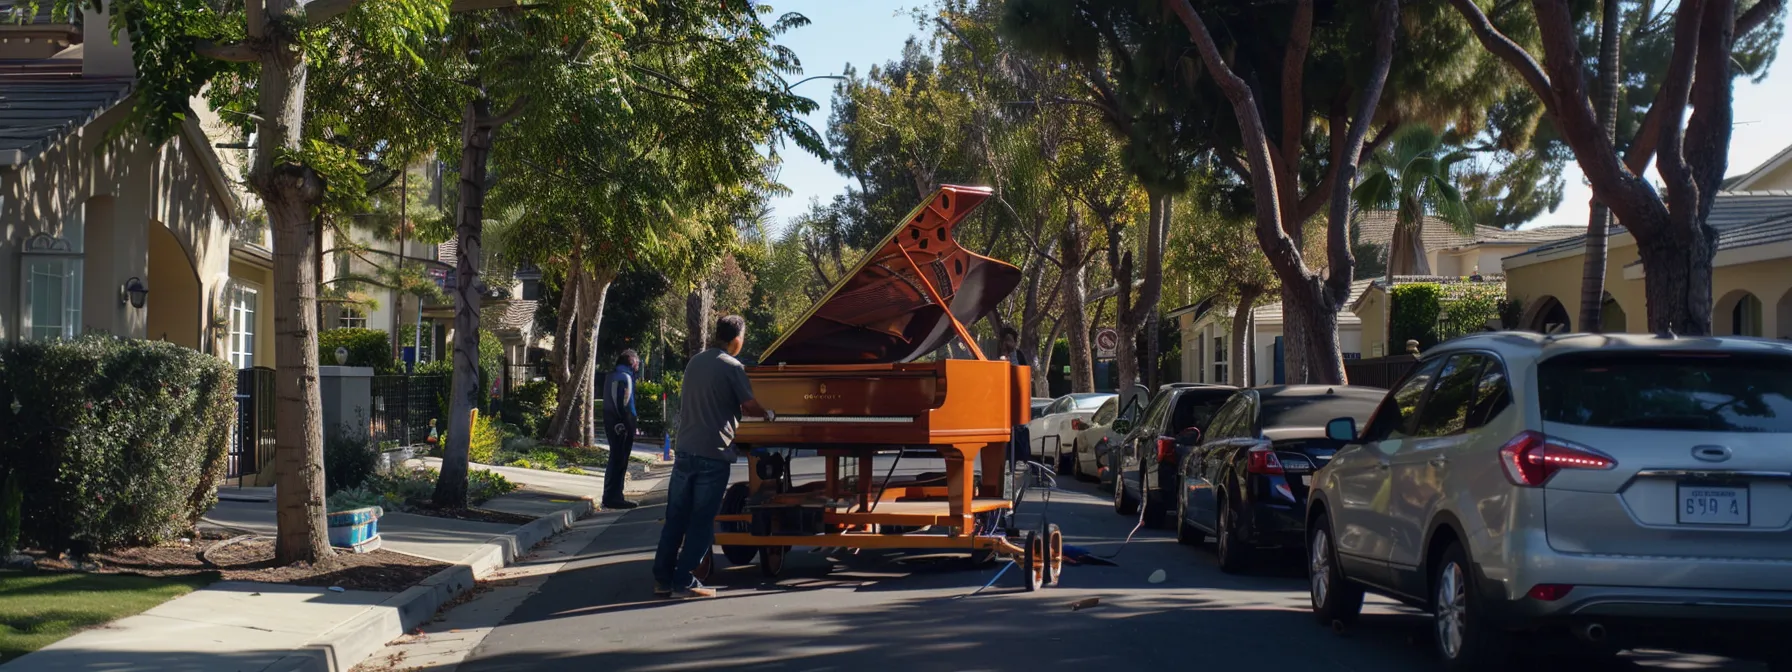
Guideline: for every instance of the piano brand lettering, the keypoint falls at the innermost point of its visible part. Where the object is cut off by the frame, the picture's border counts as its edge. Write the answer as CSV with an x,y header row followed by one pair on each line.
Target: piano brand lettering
x,y
821,394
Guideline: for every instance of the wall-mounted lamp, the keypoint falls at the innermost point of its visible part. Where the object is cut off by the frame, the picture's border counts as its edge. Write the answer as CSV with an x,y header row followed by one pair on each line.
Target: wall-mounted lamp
x,y
133,292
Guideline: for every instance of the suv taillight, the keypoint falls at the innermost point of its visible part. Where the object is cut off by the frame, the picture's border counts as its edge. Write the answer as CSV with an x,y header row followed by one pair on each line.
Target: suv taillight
x,y
1532,457
1263,460
1166,449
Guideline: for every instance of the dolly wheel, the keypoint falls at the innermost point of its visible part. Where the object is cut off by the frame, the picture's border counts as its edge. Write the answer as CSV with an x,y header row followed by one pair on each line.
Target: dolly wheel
x,y
1032,561
771,560
701,573
1054,554
734,501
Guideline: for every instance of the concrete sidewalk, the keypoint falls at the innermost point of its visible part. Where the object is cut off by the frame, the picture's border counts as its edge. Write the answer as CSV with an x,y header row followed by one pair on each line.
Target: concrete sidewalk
x,y
243,627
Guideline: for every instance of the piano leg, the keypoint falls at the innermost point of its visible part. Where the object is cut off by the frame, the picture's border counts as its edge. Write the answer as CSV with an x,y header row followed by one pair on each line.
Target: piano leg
x,y
833,477
961,484
995,469
866,465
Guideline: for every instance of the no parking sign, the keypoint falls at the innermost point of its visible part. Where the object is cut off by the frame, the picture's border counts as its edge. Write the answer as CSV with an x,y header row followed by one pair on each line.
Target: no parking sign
x,y
1107,343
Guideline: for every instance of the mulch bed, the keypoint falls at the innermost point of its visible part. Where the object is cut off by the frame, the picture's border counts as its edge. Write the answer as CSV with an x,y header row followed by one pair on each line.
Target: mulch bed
x,y
252,559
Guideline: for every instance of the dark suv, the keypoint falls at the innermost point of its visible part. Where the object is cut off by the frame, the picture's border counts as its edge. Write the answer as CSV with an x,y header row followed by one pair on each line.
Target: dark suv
x,y
1151,449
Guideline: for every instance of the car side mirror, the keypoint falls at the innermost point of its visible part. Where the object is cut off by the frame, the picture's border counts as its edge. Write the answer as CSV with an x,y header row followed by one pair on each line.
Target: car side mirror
x,y
1189,437
1123,426
1341,429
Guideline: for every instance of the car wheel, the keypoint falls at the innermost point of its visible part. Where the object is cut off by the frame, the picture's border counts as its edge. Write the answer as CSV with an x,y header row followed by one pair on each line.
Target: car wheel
x,y
1464,639
1123,504
1335,598
1185,533
1232,552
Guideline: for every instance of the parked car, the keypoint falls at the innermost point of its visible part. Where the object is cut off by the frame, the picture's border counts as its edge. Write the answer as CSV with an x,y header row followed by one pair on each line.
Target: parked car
x,y
1246,483
1147,457
1091,444
1625,488
1053,432
1040,404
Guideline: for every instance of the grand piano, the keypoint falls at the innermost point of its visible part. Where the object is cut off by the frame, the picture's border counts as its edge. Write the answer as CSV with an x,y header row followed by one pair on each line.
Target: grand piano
x,y
862,374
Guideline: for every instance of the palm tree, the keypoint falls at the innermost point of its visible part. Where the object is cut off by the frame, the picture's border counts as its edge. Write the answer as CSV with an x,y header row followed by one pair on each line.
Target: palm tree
x,y
1412,176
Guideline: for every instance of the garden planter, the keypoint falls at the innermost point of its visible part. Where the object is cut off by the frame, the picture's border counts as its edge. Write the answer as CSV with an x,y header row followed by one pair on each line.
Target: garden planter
x,y
357,530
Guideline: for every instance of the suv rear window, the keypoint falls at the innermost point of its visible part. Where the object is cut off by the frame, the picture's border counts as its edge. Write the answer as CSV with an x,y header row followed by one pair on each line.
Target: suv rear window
x,y
1194,409
1719,392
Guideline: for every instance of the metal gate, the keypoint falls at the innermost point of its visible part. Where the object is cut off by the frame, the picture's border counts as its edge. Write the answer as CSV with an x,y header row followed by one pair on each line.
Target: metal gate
x,y
404,405
252,438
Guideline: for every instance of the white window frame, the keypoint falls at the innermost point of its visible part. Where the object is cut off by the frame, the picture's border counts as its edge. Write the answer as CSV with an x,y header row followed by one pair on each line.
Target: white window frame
x,y
245,303
1219,360
351,317
43,258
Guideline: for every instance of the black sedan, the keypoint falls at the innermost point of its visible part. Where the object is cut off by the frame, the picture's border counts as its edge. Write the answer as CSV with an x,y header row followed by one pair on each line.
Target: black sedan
x,y
1246,483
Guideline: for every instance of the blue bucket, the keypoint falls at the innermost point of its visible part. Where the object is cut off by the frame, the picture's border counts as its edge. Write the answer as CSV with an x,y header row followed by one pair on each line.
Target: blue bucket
x,y
354,527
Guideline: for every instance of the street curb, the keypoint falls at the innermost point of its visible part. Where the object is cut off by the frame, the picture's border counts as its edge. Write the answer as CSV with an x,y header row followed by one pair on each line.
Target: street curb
x,y
346,645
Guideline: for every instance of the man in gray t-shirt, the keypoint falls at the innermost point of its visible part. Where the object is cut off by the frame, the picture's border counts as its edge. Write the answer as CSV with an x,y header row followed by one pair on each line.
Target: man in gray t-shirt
x,y
714,394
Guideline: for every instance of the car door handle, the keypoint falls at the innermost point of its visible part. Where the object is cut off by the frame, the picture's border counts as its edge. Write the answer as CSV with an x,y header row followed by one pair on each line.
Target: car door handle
x,y
1438,461
1382,466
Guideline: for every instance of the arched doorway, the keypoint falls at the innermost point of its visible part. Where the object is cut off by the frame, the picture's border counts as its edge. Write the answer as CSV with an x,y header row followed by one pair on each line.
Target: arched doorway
x,y
1737,314
174,301
1545,316
1785,315
1612,319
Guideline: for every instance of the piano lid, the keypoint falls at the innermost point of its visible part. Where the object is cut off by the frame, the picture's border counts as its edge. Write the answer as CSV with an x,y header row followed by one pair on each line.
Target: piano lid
x,y
881,312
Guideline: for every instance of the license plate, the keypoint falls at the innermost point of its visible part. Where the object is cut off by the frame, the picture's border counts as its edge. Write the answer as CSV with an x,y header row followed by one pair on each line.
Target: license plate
x,y
1707,505
1306,479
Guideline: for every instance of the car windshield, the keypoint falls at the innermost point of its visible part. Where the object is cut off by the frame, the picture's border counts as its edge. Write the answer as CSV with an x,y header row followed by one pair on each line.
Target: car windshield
x,y
1314,410
1714,392
1089,402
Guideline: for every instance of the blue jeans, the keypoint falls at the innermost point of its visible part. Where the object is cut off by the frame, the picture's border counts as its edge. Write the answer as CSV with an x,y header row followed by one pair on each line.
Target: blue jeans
x,y
692,501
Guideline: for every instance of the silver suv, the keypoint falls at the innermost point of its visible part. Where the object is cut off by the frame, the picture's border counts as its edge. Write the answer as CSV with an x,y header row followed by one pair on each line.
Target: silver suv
x,y
1627,489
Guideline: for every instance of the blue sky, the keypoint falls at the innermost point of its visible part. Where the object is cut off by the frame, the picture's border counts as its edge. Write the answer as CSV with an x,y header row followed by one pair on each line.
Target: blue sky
x,y
869,32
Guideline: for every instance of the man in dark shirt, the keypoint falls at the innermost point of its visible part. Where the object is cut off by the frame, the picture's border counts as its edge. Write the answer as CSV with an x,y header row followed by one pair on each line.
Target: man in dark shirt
x,y
1009,348
619,427
715,393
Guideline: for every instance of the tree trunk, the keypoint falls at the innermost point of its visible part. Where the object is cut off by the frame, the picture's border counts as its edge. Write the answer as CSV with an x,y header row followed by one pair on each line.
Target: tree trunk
x,y
477,129
1592,278
291,192
1311,306
1406,253
697,308
1677,284
1076,317
575,417
1240,372
1133,312
573,301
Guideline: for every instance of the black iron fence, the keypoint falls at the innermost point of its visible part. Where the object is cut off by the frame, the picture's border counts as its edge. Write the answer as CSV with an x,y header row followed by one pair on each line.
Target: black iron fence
x,y
403,407
252,441
516,375
1380,372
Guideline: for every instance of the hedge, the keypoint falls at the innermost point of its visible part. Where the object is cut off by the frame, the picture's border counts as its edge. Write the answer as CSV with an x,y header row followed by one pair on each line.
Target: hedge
x,y
1416,308
366,347
117,441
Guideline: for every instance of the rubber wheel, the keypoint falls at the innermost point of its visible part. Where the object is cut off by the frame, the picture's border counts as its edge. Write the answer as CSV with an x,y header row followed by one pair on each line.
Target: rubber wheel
x,y
1123,505
771,560
1032,562
1463,637
734,501
1186,534
1054,554
1335,598
1231,550
704,568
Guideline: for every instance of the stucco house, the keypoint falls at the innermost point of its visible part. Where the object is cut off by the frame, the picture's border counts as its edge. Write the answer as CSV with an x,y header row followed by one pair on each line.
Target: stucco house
x,y
1205,332
1751,274
102,231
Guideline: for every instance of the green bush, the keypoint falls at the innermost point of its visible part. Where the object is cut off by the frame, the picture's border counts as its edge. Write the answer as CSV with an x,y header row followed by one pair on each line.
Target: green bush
x,y
366,347
12,497
531,406
411,489
117,441
1471,307
348,461
1416,308
648,407
487,439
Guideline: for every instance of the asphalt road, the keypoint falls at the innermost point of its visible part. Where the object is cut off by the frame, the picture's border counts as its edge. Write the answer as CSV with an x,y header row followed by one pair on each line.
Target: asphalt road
x,y
878,611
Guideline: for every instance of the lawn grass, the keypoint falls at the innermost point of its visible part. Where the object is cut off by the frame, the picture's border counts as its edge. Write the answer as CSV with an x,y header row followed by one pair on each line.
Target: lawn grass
x,y
37,608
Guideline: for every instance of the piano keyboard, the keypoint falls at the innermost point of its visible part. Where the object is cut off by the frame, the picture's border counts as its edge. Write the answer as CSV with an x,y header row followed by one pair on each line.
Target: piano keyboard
x,y
892,419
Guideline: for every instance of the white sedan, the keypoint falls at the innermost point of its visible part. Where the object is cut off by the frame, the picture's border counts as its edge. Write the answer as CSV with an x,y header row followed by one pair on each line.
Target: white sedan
x,y
1052,432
